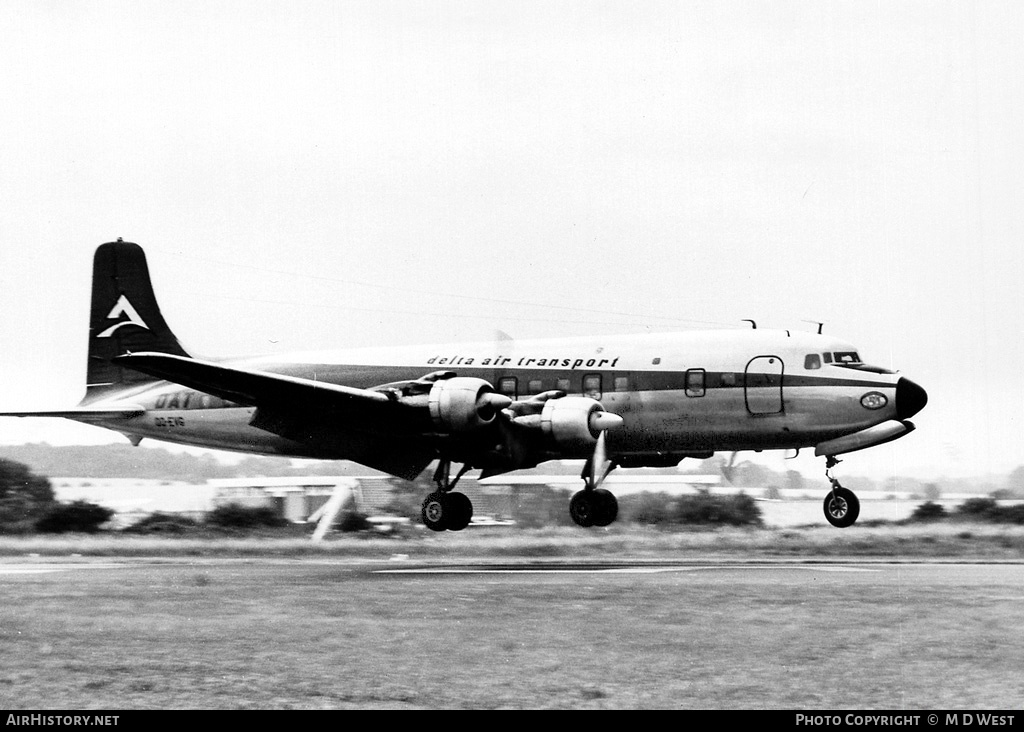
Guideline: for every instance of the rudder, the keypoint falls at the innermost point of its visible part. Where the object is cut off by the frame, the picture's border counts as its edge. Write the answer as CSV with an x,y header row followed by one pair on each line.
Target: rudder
x,y
125,317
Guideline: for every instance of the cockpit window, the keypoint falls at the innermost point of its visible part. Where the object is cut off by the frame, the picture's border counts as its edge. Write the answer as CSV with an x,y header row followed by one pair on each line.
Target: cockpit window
x,y
851,360
812,361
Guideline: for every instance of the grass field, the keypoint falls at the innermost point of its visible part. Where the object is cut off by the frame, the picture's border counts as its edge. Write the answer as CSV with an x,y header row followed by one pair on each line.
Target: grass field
x,y
223,625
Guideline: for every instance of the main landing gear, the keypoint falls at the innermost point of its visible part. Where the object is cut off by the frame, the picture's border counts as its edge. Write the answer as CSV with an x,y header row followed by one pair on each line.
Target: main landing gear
x,y
444,510
841,505
594,506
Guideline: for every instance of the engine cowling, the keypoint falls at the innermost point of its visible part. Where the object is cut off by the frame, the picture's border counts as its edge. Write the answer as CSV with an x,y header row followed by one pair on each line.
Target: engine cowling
x,y
464,404
572,424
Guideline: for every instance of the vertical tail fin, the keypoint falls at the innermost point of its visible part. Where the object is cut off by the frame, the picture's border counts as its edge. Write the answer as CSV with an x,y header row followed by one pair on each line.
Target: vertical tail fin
x,y
125,317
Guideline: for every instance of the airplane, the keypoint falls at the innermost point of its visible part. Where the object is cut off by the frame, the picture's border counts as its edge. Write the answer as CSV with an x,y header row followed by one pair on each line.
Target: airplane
x,y
612,401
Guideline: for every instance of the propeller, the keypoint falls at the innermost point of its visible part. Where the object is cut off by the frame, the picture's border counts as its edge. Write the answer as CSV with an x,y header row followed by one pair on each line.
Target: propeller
x,y
598,463
729,469
601,421
490,403
570,423
527,412
535,404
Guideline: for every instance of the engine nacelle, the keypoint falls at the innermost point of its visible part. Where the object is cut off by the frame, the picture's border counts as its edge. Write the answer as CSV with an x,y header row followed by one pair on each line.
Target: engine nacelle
x,y
464,404
572,424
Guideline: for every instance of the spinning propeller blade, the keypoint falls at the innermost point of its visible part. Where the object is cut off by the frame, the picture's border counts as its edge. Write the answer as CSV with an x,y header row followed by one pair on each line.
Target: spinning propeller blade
x,y
599,464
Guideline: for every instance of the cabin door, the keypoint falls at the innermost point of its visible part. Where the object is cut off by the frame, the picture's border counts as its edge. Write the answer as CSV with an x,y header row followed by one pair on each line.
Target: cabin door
x,y
762,385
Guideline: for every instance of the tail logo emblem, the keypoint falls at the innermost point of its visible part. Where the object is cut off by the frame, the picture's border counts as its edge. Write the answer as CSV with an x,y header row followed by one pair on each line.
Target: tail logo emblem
x,y
123,307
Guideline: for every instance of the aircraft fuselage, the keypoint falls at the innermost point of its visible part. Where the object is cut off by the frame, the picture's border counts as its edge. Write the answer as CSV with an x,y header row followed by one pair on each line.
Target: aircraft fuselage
x,y
678,394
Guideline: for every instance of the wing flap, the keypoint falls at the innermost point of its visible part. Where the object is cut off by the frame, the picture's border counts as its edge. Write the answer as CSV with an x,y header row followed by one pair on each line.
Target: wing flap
x,y
84,414
401,455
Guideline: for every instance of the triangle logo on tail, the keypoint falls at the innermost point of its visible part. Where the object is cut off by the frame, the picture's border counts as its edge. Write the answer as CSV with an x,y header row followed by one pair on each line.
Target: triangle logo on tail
x,y
123,307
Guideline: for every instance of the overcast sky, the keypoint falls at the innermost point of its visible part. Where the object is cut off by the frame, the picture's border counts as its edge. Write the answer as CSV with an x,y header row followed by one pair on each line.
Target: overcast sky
x,y
314,174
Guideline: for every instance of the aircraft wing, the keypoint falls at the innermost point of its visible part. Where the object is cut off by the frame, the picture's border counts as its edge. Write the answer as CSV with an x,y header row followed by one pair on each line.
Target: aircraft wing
x,y
250,388
338,421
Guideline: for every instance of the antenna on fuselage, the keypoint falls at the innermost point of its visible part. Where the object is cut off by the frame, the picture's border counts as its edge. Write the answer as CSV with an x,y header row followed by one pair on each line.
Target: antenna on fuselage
x,y
818,323
753,324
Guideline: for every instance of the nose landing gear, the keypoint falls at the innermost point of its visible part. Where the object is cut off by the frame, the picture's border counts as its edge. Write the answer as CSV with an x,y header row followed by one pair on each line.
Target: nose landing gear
x,y
841,505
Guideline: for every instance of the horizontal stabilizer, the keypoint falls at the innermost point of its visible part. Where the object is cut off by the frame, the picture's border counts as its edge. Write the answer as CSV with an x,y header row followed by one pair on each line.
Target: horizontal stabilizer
x,y
84,414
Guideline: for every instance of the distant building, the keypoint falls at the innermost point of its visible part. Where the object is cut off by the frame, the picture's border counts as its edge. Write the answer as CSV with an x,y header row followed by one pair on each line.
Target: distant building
x,y
293,498
132,499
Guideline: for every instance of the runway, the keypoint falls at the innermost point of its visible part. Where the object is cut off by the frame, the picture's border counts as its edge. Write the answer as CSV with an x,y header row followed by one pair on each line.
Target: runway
x,y
600,632
947,573
597,569
406,564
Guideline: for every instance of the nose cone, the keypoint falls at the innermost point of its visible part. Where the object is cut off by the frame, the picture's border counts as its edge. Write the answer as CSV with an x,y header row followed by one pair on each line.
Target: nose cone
x,y
910,399
497,402
601,421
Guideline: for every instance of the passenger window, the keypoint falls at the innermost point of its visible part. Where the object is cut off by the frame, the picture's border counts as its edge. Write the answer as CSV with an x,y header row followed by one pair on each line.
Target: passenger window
x,y
509,386
695,382
621,383
592,386
563,385
812,361
536,387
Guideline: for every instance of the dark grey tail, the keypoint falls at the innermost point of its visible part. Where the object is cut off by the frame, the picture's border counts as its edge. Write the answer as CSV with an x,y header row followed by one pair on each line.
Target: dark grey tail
x,y
125,317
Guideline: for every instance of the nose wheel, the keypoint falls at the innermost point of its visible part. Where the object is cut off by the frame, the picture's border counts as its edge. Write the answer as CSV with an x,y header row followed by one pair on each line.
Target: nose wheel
x,y
841,505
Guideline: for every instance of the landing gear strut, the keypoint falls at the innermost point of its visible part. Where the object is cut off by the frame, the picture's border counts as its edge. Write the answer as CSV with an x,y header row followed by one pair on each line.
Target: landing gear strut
x,y
594,506
841,505
444,509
